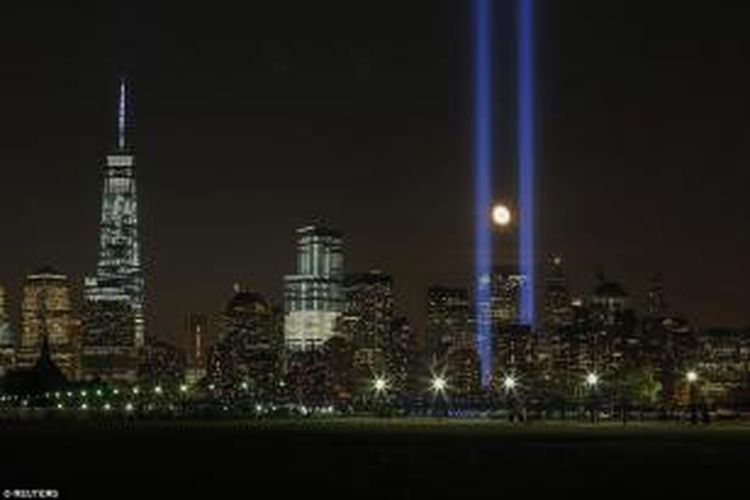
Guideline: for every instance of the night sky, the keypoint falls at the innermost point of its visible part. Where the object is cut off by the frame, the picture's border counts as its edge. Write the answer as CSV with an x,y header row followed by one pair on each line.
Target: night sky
x,y
251,123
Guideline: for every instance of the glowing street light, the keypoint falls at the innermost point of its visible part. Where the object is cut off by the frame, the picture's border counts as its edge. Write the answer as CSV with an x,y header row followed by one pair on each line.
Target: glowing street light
x,y
438,384
244,386
380,385
692,376
592,379
158,389
136,390
129,407
183,388
509,383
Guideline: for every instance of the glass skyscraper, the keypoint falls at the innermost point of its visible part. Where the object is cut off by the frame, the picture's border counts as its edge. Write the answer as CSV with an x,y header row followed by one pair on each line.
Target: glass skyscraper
x,y
313,297
114,324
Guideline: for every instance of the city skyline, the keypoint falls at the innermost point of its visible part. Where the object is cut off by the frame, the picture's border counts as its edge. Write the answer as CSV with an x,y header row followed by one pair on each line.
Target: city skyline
x,y
401,249
418,212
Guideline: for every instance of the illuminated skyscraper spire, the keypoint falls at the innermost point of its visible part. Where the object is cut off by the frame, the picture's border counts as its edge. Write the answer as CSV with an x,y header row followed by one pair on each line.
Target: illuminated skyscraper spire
x,y
121,116
114,326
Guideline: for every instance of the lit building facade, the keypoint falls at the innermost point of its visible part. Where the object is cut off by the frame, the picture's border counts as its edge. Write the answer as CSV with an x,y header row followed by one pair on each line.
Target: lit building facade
x,y
46,313
448,320
6,337
366,322
7,342
115,325
198,345
247,350
313,297
505,287
161,364
558,310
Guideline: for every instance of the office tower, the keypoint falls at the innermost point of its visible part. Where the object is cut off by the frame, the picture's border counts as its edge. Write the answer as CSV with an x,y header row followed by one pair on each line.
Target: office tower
x,y
247,351
161,364
608,302
448,320
7,342
47,316
339,358
398,355
366,322
614,336
114,327
451,343
655,303
557,302
515,353
6,338
368,307
313,297
198,344
505,286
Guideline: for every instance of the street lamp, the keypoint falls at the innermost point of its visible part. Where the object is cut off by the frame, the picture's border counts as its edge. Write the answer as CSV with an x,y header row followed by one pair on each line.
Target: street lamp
x,y
509,383
438,384
380,385
692,378
592,380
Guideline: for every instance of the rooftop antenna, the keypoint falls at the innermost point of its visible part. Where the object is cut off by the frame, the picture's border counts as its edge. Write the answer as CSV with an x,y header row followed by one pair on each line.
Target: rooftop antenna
x,y
121,117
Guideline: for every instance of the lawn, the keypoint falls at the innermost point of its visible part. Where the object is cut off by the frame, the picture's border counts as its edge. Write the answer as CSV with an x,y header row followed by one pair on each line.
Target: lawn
x,y
394,457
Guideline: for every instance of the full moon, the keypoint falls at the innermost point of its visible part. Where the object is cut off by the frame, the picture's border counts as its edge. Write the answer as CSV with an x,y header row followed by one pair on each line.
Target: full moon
x,y
501,215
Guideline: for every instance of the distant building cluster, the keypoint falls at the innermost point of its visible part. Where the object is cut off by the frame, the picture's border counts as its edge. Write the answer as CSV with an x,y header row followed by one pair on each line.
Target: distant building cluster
x,y
339,341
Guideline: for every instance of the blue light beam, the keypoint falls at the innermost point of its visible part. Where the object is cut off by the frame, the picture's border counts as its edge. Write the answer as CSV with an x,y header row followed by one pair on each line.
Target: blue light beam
x,y
526,160
482,182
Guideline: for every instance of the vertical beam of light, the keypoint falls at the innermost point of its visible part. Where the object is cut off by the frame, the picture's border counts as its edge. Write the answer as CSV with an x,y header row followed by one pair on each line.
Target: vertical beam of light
x,y
482,183
121,118
526,155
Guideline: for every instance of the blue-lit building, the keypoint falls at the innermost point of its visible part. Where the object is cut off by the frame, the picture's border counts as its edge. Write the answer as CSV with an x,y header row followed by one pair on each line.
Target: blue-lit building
x,y
114,326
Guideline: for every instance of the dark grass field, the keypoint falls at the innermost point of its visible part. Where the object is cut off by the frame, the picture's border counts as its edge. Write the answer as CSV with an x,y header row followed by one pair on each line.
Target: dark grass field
x,y
404,458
